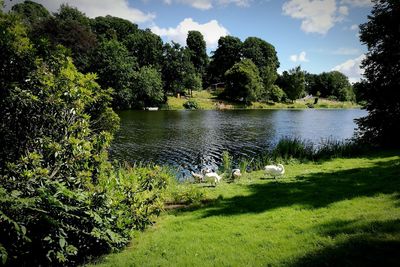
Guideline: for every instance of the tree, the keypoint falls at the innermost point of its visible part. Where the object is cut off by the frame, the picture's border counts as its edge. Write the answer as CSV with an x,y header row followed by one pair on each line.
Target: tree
x,y
147,88
381,34
198,53
330,84
276,94
115,69
243,81
31,12
110,27
70,28
146,47
228,52
176,66
263,55
293,83
193,81
340,86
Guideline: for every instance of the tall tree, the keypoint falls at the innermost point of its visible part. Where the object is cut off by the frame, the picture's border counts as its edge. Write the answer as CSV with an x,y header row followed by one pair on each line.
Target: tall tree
x,y
146,46
381,34
110,27
115,69
228,52
293,83
243,82
147,88
176,66
263,54
70,28
31,12
198,51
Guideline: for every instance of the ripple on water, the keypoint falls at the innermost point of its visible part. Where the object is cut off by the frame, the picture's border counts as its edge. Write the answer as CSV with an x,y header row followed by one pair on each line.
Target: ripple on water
x,y
192,139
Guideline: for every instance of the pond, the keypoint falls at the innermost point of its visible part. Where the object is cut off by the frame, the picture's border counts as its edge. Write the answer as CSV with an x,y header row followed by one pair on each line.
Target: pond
x,y
191,139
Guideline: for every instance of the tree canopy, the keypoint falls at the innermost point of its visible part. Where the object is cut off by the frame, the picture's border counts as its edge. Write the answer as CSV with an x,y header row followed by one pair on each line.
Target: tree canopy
x,y
333,84
117,50
293,83
381,91
197,49
228,52
243,81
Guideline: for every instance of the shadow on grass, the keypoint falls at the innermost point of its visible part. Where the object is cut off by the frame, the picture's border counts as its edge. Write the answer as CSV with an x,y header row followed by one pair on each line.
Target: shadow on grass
x,y
366,244
315,190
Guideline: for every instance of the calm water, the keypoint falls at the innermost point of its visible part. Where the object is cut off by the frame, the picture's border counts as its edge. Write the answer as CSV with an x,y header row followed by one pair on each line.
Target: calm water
x,y
193,138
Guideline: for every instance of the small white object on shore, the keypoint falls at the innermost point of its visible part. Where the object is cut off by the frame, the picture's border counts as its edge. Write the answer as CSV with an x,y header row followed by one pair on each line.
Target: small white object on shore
x,y
212,177
275,170
236,173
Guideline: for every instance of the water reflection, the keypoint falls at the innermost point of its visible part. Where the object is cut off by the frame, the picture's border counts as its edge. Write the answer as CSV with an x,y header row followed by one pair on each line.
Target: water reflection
x,y
194,138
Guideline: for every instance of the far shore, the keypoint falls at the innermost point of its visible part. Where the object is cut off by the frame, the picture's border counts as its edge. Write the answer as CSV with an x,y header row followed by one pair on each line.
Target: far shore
x,y
207,100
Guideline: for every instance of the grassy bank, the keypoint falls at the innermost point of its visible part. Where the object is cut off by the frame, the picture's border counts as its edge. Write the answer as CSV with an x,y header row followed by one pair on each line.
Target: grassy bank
x,y
209,101
341,212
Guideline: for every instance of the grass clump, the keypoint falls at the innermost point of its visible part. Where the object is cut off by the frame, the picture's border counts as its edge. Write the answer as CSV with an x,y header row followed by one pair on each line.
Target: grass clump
x,y
226,162
293,147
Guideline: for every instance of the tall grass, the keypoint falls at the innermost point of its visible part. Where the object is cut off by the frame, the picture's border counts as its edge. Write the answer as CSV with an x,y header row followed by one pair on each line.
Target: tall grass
x,y
226,162
294,149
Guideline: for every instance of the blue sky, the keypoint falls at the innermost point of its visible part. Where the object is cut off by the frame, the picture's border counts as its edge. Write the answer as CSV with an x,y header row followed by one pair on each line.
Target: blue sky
x,y
319,35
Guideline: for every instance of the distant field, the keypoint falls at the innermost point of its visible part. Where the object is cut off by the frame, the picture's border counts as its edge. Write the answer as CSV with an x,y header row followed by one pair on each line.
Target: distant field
x,y
208,100
342,212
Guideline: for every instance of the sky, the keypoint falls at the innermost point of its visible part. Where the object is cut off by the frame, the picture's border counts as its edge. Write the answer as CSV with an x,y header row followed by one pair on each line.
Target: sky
x,y
318,35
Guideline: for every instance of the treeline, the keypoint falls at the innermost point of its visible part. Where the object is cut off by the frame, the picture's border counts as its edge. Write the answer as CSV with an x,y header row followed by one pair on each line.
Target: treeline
x,y
143,71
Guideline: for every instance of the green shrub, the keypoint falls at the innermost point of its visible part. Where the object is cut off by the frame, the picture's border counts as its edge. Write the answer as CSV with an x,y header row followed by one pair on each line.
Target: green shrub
x,y
277,94
191,104
61,202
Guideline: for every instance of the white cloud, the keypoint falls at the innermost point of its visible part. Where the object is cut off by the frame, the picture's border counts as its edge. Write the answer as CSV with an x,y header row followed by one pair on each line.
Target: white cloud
x,y
299,58
354,27
357,3
241,3
346,51
211,31
117,8
351,68
343,10
208,4
318,16
199,4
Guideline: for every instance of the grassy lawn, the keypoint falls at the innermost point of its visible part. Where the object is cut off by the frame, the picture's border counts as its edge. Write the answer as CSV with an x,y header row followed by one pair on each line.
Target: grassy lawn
x,y
208,101
342,212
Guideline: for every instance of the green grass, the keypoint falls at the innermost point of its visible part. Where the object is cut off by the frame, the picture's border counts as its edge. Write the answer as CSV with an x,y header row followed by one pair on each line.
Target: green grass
x,y
208,101
341,212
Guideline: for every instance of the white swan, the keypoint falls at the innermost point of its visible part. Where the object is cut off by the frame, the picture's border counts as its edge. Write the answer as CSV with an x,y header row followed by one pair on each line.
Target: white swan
x,y
275,170
212,177
236,173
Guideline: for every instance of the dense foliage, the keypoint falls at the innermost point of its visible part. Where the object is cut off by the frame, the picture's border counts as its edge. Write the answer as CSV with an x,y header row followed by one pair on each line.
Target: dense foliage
x,y
293,83
333,84
117,49
381,91
243,81
61,202
197,50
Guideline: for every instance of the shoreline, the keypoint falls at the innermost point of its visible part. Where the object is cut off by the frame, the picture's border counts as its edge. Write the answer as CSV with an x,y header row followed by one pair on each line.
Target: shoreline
x,y
206,100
